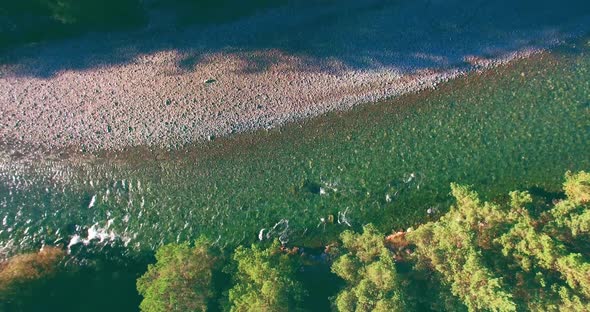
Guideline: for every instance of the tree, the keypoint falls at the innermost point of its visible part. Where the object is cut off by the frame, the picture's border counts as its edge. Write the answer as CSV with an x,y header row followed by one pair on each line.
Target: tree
x,y
451,248
502,258
541,245
264,280
31,20
181,279
21,272
370,273
572,216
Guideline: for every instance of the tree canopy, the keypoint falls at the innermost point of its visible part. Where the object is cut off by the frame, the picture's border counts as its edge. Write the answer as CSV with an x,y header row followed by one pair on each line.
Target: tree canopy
x,y
368,268
21,271
181,279
264,280
503,258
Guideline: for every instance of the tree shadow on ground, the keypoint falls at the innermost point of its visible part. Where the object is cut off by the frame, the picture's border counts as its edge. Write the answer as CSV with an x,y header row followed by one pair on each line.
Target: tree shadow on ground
x,y
321,36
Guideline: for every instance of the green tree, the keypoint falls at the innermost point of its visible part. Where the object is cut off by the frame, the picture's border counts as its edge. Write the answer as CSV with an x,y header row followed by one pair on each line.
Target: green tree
x,y
541,245
571,218
502,258
19,273
577,187
451,248
264,280
30,20
369,270
181,279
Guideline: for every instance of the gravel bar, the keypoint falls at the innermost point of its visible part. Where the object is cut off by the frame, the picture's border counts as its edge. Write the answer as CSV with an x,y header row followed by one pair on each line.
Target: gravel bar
x,y
166,86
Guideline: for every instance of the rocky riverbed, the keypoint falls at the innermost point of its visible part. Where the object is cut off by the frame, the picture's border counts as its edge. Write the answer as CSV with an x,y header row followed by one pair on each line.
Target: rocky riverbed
x,y
167,86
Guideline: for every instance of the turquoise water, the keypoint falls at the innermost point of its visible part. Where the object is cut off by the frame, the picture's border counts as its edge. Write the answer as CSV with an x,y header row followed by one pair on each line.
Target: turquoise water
x,y
519,127
386,163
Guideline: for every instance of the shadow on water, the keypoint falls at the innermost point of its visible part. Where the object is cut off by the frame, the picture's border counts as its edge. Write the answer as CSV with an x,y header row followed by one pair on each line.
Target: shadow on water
x,y
405,35
321,285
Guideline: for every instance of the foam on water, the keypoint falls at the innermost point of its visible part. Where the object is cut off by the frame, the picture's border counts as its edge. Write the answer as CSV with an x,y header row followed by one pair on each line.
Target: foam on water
x,y
100,235
92,202
342,218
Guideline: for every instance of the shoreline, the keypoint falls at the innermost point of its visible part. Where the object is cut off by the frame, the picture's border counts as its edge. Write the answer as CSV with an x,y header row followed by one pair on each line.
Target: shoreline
x,y
24,154
18,152
164,98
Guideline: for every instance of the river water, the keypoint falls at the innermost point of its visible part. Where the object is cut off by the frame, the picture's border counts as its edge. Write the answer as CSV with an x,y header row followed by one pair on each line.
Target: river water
x,y
389,163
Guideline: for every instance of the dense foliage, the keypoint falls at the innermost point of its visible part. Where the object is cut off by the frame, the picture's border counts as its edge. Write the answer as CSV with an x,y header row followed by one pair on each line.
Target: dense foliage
x,y
264,280
23,275
29,20
517,256
181,279
369,270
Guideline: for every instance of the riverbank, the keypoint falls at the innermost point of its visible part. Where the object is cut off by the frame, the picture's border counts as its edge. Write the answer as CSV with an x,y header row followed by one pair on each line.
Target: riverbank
x,y
163,87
